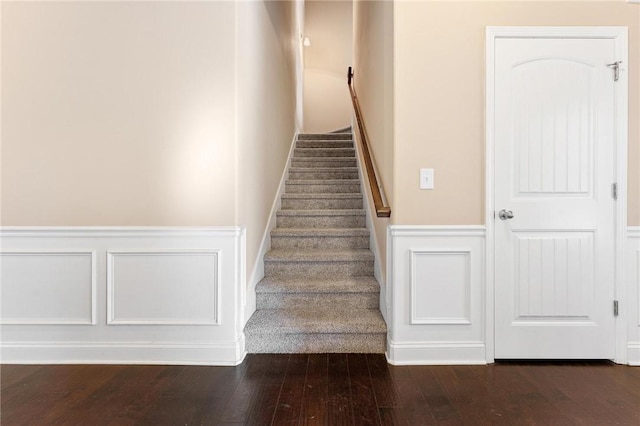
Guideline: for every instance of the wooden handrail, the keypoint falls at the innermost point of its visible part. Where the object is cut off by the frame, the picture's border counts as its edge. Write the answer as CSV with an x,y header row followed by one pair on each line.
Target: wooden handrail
x,y
381,209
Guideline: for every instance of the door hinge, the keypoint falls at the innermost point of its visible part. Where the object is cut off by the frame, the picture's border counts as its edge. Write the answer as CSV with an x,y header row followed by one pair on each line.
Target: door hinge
x,y
616,70
614,191
615,308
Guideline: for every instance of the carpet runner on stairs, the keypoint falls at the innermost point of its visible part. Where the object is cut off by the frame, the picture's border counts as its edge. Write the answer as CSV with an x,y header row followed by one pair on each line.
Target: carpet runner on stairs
x,y
319,294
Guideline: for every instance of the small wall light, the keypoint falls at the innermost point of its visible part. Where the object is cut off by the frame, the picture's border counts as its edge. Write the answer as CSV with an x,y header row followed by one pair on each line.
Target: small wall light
x,y
306,42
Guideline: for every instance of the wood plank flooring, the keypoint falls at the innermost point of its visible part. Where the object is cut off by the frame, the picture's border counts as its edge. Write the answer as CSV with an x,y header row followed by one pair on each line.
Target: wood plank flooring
x,y
324,389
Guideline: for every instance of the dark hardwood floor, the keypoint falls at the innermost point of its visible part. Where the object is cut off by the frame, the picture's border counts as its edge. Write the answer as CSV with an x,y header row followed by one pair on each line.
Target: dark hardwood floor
x,y
334,389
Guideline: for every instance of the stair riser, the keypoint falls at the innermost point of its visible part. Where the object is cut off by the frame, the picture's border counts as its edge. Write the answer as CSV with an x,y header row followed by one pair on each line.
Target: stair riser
x,y
320,242
316,343
320,221
323,162
322,188
326,137
351,268
322,301
321,152
307,175
324,144
321,204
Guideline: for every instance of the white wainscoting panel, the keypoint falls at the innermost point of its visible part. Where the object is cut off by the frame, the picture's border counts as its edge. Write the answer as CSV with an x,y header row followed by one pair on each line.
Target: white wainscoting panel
x,y
48,288
122,295
435,286
163,287
440,287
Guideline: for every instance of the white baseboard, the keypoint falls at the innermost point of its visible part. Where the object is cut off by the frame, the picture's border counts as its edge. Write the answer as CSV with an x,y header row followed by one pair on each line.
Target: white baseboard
x,y
436,353
221,353
258,269
136,295
633,354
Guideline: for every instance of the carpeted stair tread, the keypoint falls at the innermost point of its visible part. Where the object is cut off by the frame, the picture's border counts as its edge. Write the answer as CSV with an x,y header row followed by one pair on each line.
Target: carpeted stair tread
x,y
323,152
333,160
318,255
320,232
323,162
318,285
322,195
293,321
322,173
322,169
320,238
324,182
325,136
324,143
327,212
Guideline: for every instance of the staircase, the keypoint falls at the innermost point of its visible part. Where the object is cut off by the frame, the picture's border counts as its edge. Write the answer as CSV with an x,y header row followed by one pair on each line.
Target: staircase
x,y
319,294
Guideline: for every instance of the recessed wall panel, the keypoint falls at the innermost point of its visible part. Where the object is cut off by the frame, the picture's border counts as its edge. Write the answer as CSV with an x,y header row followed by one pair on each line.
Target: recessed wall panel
x,y
47,288
440,287
163,287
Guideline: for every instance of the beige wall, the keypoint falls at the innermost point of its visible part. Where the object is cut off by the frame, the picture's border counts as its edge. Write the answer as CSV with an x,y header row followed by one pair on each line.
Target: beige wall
x,y
267,43
373,81
118,113
439,98
329,25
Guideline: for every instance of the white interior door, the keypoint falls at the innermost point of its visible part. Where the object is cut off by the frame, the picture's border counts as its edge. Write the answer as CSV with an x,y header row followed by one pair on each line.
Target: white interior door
x,y
554,168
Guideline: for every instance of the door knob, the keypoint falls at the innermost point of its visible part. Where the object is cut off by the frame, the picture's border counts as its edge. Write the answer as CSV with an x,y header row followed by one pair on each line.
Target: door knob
x,y
505,214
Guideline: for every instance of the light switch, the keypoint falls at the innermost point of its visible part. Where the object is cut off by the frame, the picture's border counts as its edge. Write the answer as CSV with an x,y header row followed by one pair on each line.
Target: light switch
x,y
426,178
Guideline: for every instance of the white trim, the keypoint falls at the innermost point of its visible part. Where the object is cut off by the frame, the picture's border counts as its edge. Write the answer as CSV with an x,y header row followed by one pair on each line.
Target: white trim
x,y
436,353
119,231
389,291
224,353
637,274
568,32
633,1
258,268
111,287
633,231
437,230
621,143
619,35
241,289
633,354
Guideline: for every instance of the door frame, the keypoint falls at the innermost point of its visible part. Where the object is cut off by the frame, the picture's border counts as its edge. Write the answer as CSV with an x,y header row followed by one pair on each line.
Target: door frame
x,y
620,36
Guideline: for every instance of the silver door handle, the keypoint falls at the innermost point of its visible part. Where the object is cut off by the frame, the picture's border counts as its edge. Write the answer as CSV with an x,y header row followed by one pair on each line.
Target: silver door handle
x,y
505,214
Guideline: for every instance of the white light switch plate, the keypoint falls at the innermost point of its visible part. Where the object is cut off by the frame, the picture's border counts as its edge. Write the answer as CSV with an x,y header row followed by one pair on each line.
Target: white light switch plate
x,y
426,178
